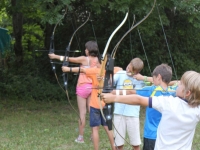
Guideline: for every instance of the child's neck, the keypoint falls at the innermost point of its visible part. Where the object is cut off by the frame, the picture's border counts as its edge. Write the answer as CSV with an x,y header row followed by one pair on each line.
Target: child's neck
x,y
163,85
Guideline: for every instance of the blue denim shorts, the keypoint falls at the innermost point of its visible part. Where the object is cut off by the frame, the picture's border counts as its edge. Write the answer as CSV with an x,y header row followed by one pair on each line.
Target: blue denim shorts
x,y
96,118
149,144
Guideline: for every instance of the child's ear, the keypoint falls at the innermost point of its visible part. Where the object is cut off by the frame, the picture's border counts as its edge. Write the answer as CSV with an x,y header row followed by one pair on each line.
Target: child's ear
x,y
188,93
159,76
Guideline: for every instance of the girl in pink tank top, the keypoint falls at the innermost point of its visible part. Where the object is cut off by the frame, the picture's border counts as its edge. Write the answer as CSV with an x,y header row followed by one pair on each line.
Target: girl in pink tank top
x,y
84,84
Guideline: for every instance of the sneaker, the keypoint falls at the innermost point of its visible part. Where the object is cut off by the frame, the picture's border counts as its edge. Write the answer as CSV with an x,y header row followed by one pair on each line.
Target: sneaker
x,y
79,140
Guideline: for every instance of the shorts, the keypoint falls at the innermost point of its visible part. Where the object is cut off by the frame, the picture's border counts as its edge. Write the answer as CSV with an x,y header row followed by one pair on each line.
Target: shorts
x,y
84,90
129,125
149,144
96,119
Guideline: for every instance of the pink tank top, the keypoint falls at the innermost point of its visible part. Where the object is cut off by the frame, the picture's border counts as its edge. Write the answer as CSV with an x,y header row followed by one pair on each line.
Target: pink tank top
x,y
82,77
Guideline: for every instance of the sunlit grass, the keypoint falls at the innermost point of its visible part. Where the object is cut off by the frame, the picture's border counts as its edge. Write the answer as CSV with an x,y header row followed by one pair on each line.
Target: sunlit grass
x,y
42,126
36,125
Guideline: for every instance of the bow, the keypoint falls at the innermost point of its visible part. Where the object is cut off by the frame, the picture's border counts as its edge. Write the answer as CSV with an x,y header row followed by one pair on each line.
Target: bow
x,y
132,27
52,48
108,64
109,107
66,63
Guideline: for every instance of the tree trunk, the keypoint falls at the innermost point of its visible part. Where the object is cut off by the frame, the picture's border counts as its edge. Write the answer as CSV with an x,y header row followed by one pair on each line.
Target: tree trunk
x,y
17,19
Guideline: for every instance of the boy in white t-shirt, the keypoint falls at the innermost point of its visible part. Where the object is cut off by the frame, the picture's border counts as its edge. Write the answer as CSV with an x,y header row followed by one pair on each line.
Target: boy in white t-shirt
x,y
180,114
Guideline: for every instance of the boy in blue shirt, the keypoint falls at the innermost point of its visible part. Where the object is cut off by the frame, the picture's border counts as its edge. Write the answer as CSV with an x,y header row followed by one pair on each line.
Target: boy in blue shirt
x,y
162,75
126,117
180,114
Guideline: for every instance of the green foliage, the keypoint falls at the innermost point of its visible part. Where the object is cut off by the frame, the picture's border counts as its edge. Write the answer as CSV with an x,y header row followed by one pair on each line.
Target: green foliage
x,y
119,6
4,20
180,19
27,87
31,82
32,38
51,10
99,6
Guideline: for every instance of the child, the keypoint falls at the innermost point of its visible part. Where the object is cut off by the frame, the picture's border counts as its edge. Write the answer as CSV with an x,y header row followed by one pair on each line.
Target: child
x,y
162,75
84,84
180,114
126,117
96,118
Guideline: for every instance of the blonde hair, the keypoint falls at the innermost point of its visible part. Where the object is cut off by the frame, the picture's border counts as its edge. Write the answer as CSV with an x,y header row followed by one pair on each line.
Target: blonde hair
x,y
191,81
137,64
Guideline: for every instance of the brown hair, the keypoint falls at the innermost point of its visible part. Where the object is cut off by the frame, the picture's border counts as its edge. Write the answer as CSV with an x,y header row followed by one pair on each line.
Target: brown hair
x,y
165,71
191,81
92,48
137,64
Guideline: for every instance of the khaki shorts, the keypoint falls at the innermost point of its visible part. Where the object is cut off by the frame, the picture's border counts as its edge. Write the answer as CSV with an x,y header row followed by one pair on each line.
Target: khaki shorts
x,y
129,125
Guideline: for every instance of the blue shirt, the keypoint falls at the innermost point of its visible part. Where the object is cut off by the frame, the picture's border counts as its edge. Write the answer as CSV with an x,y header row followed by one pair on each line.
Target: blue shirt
x,y
123,81
153,117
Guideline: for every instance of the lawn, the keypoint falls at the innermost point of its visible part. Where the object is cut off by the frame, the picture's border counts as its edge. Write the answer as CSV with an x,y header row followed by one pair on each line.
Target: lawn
x,y
34,125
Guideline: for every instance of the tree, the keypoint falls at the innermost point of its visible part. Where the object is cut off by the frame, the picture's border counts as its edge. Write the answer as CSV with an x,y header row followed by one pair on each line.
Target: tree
x,y
17,19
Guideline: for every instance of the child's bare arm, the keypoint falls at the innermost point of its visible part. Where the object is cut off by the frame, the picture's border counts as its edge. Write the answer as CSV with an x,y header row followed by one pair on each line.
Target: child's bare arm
x,y
126,99
54,56
144,78
79,60
73,69
173,82
120,92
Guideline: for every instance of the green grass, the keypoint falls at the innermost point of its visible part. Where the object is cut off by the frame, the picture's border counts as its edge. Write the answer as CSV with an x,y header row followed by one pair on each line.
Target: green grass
x,y
36,125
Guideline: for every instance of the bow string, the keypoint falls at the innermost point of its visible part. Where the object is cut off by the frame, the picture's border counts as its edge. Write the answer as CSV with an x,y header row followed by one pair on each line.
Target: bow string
x,y
112,58
66,63
132,27
112,62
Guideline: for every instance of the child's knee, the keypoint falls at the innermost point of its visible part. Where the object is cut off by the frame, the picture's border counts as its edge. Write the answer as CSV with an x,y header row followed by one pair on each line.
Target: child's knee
x,y
95,129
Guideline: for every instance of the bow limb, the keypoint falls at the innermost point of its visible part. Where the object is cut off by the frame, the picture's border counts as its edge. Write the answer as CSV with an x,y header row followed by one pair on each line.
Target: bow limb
x,y
66,63
101,83
78,29
116,47
111,36
104,83
113,57
52,48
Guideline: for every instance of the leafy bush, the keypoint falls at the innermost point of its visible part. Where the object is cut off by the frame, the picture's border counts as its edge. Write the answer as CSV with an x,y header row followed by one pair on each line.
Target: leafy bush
x,y
31,82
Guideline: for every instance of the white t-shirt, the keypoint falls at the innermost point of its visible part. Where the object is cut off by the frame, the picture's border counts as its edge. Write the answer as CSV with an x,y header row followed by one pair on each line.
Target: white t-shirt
x,y
177,126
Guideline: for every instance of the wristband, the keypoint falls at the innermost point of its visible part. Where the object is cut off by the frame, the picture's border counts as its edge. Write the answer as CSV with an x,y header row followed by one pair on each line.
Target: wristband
x,y
79,69
145,78
124,92
70,69
117,92
61,58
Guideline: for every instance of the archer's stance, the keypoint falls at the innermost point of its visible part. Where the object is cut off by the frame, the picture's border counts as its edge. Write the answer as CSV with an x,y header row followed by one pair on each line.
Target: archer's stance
x,y
162,75
126,117
96,119
180,114
83,93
